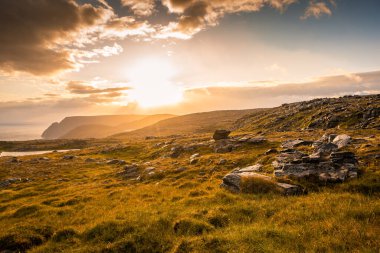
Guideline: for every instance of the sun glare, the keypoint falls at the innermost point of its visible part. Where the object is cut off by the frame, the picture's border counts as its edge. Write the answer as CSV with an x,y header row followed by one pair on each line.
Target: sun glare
x,y
151,83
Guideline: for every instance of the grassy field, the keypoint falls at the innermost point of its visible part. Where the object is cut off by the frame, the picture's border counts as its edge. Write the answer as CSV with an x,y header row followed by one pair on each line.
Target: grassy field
x,y
78,206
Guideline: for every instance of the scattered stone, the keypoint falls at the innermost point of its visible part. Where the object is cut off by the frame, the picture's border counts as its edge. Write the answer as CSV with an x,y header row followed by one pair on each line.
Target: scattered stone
x,y
271,151
68,157
181,169
257,140
8,182
116,162
131,171
221,134
44,159
175,152
224,146
149,169
14,160
295,143
90,160
194,159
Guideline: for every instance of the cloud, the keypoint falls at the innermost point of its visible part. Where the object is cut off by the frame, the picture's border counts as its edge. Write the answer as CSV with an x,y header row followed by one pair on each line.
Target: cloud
x,y
34,33
213,98
43,37
92,101
140,7
317,9
196,15
82,88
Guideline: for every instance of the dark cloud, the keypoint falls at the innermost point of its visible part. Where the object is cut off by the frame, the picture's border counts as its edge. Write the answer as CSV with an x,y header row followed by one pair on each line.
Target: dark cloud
x,y
78,87
33,33
44,37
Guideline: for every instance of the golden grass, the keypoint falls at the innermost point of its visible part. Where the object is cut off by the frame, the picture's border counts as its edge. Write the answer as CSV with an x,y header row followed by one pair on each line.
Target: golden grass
x,y
95,210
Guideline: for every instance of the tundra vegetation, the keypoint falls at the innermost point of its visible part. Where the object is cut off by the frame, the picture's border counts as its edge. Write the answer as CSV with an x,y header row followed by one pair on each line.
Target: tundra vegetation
x,y
163,194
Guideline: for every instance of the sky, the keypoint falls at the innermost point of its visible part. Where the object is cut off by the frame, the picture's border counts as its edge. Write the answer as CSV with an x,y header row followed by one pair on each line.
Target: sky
x,y
63,58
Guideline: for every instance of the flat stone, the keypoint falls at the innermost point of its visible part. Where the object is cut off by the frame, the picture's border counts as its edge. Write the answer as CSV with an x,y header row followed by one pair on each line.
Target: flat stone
x,y
253,168
342,140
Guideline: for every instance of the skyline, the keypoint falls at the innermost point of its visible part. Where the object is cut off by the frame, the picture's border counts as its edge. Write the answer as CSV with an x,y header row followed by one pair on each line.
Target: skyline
x,y
115,57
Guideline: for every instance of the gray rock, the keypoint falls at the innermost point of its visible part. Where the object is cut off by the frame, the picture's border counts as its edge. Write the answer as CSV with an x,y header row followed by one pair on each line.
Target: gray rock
x,y
116,162
295,143
342,140
131,171
254,168
224,146
221,134
8,182
325,149
68,157
149,169
257,140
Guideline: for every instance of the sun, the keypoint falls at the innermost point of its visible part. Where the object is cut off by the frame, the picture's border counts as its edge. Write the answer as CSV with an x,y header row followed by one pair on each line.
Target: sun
x,y
151,83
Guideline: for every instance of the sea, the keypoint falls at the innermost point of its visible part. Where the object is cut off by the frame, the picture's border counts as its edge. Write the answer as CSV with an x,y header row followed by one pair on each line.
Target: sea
x,y
20,132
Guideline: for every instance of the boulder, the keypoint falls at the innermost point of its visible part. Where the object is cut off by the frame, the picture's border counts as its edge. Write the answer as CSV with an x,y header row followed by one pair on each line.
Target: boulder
x,y
221,134
342,140
250,182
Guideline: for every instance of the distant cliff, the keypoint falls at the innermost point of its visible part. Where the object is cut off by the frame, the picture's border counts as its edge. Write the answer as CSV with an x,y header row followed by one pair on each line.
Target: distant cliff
x,y
80,127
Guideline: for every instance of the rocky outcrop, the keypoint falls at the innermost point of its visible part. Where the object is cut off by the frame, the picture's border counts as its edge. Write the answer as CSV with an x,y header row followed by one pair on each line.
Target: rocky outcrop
x,y
348,112
326,164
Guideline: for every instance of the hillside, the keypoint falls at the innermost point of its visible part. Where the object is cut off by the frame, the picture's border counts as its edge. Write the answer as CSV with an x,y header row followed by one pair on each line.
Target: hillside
x,y
196,123
203,192
81,127
349,112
